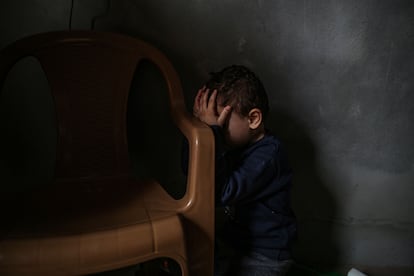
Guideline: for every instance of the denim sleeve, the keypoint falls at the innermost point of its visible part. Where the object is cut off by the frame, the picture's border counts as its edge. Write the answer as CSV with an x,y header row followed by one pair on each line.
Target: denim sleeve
x,y
254,176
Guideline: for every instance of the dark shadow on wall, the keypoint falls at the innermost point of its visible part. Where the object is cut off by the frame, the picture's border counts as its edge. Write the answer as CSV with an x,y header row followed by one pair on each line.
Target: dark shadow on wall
x,y
312,201
149,123
28,129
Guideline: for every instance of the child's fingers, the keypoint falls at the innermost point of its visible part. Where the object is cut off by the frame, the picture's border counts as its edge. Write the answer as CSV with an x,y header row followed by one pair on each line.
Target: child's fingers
x,y
199,95
212,100
224,115
196,104
204,99
197,101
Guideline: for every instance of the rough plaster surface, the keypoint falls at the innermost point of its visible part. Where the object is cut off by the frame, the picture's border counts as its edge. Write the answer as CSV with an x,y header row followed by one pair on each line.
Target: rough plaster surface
x,y
339,76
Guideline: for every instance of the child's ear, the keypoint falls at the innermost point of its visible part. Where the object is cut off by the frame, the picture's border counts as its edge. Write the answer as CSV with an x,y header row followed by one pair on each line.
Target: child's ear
x,y
255,118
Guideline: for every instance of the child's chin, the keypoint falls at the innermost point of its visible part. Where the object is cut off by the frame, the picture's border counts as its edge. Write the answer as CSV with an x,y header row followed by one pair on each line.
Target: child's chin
x,y
233,145
229,145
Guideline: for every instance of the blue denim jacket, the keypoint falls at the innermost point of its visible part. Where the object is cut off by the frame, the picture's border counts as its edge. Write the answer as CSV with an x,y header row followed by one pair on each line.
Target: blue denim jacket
x,y
253,184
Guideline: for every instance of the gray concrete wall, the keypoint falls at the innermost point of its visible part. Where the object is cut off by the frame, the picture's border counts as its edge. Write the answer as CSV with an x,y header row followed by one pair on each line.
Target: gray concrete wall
x,y
339,76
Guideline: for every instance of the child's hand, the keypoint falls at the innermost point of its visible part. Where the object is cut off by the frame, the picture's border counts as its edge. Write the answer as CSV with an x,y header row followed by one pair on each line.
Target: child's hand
x,y
197,101
205,108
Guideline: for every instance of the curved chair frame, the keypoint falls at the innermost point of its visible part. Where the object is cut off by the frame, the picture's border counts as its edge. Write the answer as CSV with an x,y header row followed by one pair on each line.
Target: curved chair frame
x,y
97,217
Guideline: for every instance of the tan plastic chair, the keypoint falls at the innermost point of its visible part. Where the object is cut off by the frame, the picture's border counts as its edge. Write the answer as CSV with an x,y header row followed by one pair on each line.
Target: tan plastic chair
x,y
97,217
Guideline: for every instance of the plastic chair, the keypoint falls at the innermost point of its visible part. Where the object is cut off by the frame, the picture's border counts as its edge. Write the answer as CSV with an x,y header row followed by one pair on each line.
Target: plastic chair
x,y
97,217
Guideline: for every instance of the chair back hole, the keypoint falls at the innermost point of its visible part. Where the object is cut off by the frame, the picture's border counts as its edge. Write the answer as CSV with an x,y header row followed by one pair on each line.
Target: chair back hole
x,y
154,142
28,128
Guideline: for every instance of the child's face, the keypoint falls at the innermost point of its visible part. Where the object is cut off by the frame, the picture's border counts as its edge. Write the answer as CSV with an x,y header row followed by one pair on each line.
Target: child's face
x,y
236,129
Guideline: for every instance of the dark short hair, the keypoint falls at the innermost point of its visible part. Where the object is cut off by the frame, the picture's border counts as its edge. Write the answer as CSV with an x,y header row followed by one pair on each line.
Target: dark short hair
x,y
239,87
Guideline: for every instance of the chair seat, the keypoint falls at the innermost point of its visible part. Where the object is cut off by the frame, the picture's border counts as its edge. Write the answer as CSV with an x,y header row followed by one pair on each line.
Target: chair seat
x,y
93,226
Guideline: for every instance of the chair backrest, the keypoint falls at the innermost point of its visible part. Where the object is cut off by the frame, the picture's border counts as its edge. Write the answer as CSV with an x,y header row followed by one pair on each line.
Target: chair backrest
x,y
98,69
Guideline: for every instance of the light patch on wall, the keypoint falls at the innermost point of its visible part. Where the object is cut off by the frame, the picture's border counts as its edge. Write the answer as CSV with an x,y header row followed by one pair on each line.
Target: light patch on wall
x,y
241,45
355,110
335,37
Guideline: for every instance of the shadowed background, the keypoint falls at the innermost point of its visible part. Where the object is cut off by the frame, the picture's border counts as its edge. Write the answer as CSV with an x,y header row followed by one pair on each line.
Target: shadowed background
x,y
339,75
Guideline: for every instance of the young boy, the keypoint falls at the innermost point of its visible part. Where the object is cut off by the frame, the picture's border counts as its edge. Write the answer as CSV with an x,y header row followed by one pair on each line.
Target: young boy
x,y
253,178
